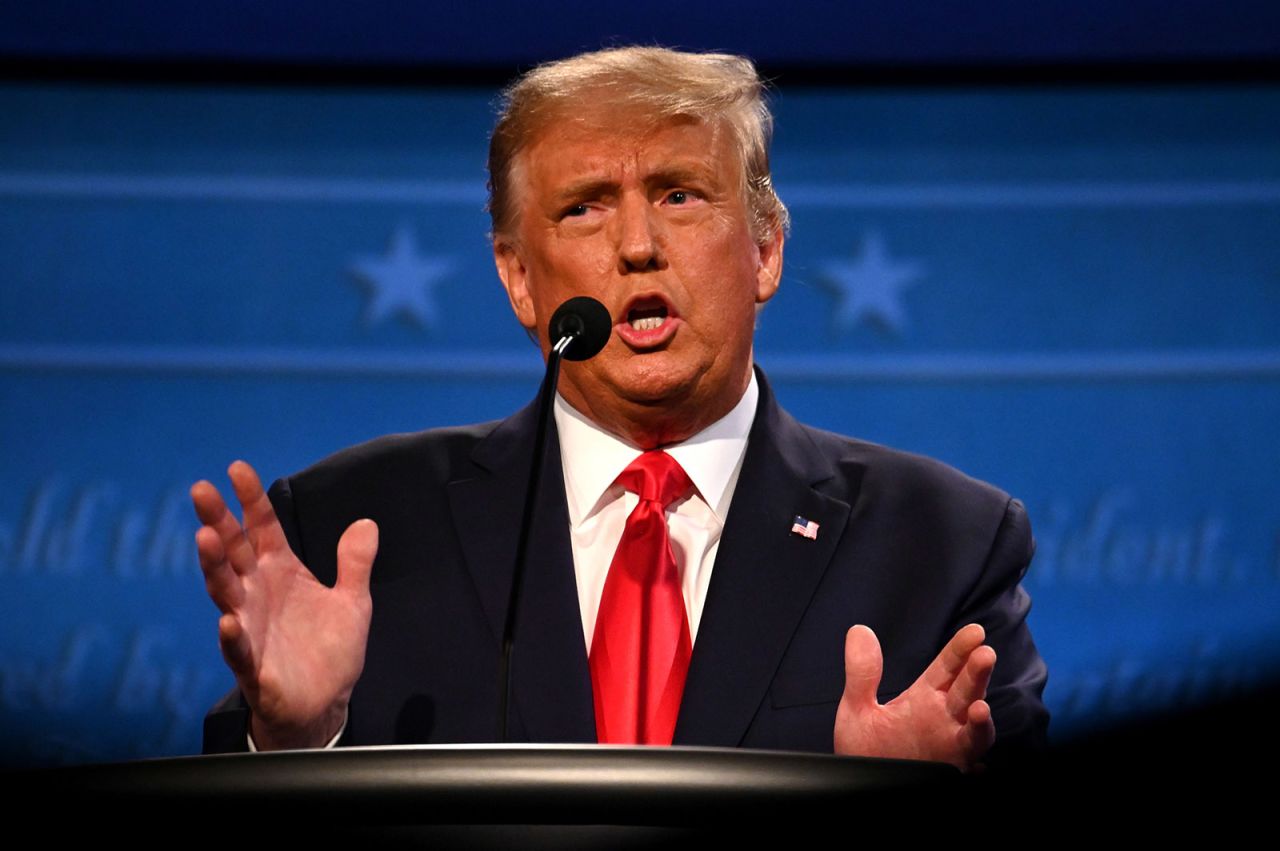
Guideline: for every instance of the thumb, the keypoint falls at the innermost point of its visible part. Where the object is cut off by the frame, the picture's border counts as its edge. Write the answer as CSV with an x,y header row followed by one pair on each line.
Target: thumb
x,y
863,665
356,550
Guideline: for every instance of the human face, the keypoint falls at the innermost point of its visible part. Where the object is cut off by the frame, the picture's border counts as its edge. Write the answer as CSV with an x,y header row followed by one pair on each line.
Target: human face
x,y
651,220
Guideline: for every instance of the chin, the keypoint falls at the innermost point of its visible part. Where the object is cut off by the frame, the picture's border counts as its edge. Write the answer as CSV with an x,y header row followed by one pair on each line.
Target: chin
x,y
658,382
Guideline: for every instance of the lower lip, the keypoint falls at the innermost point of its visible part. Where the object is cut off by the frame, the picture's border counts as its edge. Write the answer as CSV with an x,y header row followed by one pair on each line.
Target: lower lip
x,y
648,339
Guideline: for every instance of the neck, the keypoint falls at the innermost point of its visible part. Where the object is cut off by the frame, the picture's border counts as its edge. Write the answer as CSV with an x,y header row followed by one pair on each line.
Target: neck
x,y
652,425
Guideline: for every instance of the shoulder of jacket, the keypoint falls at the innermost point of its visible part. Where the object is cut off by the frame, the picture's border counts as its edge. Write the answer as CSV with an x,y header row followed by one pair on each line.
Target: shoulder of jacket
x,y
881,468
439,449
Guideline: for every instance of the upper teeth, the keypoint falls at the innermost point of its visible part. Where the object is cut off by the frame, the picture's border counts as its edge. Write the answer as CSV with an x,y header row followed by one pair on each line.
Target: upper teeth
x,y
648,323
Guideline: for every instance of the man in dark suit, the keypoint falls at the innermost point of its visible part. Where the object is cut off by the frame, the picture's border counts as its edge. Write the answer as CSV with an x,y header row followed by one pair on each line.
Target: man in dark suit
x,y
639,177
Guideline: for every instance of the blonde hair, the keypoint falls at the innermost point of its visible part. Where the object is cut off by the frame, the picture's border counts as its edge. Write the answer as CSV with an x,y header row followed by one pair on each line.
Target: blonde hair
x,y
660,83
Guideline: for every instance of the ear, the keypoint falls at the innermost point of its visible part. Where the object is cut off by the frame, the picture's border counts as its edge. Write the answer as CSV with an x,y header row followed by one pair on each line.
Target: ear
x,y
515,280
769,269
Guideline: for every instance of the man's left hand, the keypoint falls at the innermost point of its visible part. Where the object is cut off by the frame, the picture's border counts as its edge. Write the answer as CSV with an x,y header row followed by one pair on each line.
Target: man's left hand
x,y
942,717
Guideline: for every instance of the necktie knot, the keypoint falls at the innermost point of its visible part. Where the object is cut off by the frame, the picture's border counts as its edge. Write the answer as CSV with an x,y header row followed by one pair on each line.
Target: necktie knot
x,y
657,477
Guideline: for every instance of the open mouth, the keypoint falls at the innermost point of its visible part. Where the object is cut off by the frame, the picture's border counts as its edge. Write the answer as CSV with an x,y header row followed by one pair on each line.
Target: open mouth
x,y
647,318
649,321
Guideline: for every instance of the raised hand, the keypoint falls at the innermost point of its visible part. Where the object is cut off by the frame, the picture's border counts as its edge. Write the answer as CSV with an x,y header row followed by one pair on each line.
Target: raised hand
x,y
942,717
295,646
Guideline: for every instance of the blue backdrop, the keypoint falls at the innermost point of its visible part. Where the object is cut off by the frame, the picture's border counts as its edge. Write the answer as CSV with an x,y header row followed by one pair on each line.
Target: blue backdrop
x,y
1070,292
506,32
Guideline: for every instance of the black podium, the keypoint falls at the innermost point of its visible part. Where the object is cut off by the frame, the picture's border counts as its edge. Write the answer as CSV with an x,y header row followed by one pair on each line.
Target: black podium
x,y
476,795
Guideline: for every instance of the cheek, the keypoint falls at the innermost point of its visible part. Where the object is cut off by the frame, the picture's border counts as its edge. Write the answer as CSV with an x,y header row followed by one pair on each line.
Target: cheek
x,y
733,267
575,267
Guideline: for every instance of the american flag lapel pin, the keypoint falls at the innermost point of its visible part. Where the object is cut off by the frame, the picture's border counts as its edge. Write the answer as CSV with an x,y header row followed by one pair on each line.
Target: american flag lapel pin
x,y
804,527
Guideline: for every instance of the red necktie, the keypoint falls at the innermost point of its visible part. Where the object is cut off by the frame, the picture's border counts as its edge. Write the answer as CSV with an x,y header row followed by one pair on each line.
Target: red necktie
x,y
641,648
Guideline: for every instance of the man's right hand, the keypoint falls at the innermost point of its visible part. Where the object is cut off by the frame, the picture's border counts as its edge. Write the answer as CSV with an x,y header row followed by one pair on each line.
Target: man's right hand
x,y
295,646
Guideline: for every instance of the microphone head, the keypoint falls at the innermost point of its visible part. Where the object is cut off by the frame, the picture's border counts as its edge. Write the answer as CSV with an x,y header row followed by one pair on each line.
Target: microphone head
x,y
587,322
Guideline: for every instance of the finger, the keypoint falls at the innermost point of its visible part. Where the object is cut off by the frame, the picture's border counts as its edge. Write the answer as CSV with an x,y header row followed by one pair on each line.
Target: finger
x,y
208,503
356,550
971,684
220,579
213,512
260,522
236,649
981,731
944,669
863,666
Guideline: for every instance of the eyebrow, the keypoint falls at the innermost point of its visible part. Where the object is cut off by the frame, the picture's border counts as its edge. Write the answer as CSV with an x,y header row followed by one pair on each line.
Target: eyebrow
x,y
590,187
682,173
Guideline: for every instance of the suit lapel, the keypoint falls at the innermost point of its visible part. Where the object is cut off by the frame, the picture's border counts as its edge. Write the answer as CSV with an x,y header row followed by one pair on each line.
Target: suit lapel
x,y
763,580
551,683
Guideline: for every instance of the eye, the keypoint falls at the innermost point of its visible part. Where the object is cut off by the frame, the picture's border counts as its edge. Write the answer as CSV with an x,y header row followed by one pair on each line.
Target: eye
x,y
575,210
683,198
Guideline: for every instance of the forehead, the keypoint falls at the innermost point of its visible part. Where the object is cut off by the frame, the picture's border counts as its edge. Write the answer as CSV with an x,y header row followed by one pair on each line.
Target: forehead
x,y
613,143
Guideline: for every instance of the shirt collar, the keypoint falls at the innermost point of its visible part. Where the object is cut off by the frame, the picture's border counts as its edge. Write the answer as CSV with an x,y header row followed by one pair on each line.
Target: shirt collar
x,y
593,458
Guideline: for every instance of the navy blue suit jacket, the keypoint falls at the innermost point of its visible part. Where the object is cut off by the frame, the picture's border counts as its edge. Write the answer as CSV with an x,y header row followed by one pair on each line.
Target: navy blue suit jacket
x,y
906,545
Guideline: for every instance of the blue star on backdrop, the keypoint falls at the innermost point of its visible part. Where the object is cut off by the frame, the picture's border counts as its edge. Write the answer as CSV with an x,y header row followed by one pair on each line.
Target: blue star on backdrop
x,y
869,289
401,282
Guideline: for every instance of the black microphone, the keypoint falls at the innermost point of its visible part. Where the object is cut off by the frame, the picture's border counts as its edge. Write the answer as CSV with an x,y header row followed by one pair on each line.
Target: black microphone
x,y
580,328
586,323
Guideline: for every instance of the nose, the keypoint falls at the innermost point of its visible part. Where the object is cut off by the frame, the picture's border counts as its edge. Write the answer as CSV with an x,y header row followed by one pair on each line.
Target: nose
x,y
639,235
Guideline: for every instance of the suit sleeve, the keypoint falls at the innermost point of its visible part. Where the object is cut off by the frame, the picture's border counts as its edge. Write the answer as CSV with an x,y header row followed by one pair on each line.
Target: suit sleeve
x,y
1000,604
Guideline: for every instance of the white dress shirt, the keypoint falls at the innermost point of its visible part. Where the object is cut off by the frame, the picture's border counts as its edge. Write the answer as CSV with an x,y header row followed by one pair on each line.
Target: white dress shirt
x,y
593,458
